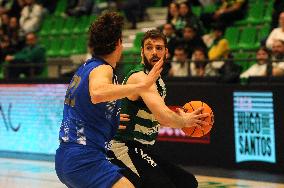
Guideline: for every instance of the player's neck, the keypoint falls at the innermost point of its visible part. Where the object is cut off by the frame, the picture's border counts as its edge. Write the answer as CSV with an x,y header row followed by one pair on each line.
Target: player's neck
x,y
110,59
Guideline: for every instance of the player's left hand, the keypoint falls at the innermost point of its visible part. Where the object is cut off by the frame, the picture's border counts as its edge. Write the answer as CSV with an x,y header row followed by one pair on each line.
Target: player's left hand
x,y
123,117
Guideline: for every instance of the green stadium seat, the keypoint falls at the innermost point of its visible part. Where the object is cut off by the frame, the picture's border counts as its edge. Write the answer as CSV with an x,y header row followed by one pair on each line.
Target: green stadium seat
x,y
209,8
69,25
46,26
55,47
254,16
61,7
240,60
80,45
158,3
100,1
81,24
1,72
57,26
44,73
138,39
248,38
232,35
246,63
268,12
135,50
67,46
44,41
262,34
256,13
196,10
92,18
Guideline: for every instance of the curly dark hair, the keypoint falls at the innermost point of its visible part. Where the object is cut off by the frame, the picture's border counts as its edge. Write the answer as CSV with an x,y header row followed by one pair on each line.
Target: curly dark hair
x,y
154,34
104,33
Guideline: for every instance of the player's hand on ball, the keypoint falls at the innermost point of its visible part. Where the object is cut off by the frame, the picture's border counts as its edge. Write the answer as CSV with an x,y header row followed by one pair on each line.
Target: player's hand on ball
x,y
195,118
198,109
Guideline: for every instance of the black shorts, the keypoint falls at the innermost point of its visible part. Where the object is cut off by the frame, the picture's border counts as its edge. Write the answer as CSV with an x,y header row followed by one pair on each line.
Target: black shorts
x,y
145,169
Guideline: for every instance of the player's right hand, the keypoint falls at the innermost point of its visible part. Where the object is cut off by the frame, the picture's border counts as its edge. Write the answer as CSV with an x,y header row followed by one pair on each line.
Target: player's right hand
x,y
154,74
194,119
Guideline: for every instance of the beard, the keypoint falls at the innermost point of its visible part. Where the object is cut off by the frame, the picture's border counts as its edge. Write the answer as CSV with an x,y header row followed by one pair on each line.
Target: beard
x,y
199,64
279,56
147,62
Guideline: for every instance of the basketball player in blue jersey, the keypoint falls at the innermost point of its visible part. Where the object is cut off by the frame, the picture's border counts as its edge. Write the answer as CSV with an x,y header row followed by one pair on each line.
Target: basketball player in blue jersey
x,y
131,148
91,111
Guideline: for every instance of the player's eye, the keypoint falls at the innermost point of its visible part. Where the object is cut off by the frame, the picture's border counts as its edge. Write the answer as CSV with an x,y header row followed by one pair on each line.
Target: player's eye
x,y
149,47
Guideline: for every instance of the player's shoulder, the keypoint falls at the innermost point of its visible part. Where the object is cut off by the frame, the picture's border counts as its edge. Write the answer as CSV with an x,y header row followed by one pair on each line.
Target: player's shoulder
x,y
103,67
136,74
101,70
137,77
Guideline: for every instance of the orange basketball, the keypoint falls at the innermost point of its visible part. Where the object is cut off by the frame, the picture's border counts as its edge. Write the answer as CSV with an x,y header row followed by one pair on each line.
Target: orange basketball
x,y
195,131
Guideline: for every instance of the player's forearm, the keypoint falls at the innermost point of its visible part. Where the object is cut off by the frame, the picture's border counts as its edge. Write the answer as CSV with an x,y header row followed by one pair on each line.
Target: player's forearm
x,y
171,119
110,92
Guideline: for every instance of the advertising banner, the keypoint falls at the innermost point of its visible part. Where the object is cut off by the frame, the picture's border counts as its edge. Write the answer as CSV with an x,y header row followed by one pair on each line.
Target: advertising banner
x,y
254,127
30,117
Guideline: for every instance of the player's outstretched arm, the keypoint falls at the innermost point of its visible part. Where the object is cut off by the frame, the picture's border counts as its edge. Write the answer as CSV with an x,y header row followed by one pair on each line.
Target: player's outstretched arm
x,y
162,113
102,90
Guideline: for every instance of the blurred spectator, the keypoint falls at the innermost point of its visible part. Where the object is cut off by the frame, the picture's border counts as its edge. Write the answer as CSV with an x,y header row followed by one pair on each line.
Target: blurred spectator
x,y
261,67
180,64
208,39
220,46
173,13
48,5
1,33
16,8
191,40
218,50
207,2
13,33
142,14
5,6
33,53
5,22
199,62
186,17
230,72
189,2
277,33
278,7
131,10
227,13
169,32
79,7
31,17
5,48
278,58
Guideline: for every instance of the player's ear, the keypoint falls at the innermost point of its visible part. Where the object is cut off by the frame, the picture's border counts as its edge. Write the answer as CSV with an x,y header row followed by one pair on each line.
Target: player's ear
x,y
141,52
167,53
119,42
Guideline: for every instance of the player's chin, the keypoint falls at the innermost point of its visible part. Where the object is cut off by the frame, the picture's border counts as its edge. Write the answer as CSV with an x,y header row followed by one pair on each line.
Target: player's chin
x,y
153,62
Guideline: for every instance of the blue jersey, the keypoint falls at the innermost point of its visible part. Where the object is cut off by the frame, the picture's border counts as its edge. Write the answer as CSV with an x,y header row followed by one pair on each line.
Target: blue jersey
x,y
83,122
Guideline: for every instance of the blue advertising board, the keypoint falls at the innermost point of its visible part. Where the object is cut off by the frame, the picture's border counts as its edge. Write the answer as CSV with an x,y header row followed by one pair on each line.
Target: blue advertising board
x,y
254,127
30,117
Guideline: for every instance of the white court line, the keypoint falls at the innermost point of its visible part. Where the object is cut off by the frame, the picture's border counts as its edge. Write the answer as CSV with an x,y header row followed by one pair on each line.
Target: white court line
x,y
16,173
235,183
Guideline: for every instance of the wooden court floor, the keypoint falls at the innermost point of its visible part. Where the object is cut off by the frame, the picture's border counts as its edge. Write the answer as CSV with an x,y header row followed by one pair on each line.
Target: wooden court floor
x,y
16,173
